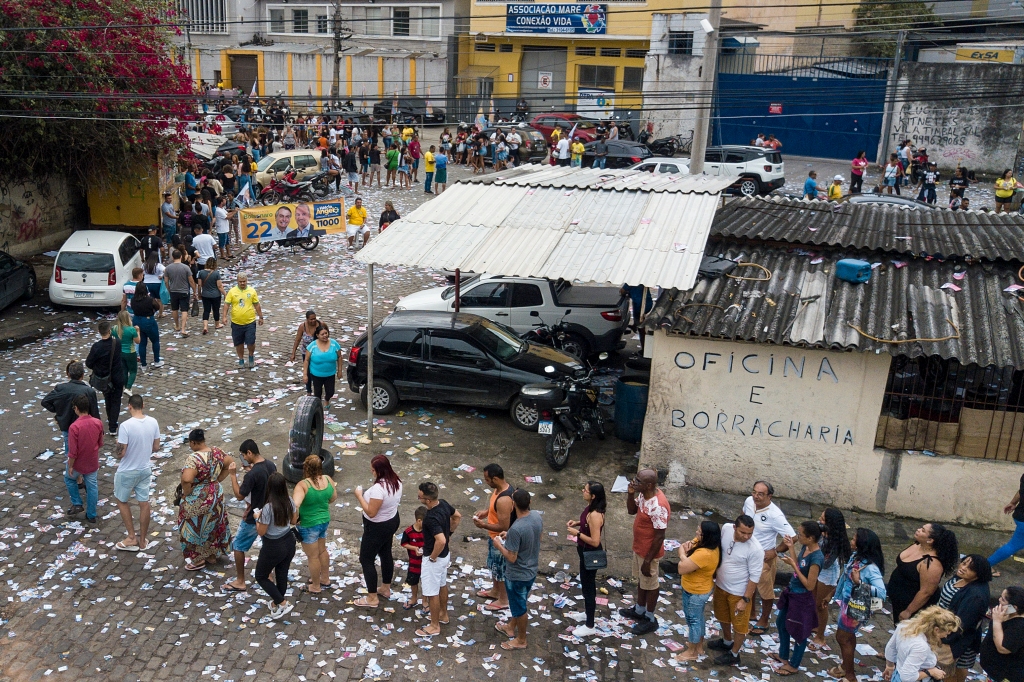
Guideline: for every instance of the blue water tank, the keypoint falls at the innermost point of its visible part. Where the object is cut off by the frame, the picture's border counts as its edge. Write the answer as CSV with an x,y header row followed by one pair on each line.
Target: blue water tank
x,y
853,270
630,408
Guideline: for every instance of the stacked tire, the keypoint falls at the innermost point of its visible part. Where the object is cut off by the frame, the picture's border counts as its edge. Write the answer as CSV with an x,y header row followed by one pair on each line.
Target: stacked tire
x,y
306,438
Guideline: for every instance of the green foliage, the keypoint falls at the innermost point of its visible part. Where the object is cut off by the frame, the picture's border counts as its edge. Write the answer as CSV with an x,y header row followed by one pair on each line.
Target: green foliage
x,y
885,19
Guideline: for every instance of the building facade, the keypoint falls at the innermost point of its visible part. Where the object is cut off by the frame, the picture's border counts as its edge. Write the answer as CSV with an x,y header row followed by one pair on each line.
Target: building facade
x,y
393,48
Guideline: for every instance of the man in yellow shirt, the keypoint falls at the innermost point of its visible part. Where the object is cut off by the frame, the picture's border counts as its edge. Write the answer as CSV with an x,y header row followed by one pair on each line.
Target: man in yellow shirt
x,y
577,150
407,133
429,166
355,219
835,190
244,305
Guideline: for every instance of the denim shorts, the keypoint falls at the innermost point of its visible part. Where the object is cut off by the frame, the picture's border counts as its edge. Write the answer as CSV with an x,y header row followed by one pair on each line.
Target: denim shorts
x,y
495,562
136,480
518,592
313,533
244,538
223,238
243,334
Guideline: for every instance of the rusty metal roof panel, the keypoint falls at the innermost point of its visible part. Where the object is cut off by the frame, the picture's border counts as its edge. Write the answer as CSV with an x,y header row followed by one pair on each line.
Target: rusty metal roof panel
x,y
895,229
909,307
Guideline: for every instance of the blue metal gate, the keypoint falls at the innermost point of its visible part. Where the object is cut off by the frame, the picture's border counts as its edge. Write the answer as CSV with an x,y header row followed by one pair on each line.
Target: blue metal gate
x,y
828,109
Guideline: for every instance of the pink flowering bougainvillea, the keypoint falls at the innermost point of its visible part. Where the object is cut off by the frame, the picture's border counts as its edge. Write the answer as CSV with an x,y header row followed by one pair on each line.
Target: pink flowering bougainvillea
x,y
89,88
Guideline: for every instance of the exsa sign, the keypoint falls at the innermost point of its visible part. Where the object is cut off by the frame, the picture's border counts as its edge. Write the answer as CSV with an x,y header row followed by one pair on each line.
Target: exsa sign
x,y
556,18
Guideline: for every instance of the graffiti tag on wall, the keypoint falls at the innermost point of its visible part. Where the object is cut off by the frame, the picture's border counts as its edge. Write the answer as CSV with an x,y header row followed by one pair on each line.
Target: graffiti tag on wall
x,y
32,210
929,126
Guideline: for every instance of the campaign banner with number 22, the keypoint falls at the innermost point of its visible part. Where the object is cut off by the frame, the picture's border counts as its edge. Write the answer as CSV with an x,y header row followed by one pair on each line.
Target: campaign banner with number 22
x,y
291,221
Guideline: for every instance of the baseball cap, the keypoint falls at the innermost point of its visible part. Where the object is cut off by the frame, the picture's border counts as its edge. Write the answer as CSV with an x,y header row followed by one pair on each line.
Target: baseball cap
x,y
838,177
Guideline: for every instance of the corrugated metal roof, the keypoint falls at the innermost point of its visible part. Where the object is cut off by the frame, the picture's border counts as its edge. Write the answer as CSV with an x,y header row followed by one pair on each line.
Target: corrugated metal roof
x,y
974,234
588,226
803,304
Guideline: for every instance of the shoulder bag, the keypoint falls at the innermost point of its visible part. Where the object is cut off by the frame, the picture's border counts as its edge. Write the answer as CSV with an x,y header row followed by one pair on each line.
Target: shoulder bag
x,y
858,606
100,382
595,559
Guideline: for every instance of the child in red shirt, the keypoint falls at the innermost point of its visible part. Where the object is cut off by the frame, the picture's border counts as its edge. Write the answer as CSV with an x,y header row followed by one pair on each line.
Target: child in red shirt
x,y
412,540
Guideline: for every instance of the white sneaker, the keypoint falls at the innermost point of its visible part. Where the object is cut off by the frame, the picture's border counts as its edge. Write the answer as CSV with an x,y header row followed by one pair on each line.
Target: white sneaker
x,y
582,631
158,364
281,611
128,392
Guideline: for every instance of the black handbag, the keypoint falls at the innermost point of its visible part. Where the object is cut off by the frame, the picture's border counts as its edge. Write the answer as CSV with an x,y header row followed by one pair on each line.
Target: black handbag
x,y
595,559
102,383
178,494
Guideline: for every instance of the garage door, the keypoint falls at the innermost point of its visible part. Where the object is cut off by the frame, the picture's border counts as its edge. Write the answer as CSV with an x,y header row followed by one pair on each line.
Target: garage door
x,y
244,72
542,79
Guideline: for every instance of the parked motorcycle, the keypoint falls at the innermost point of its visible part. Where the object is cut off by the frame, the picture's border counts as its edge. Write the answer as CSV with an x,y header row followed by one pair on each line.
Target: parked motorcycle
x,y
665,146
304,243
278,190
558,336
321,184
568,410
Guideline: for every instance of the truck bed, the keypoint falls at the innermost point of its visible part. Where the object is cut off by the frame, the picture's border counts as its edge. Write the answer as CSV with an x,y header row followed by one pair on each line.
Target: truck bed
x,y
567,295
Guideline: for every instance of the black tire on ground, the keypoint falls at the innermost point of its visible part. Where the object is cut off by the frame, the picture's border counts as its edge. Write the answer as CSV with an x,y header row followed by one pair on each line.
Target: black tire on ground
x,y
526,418
556,449
385,397
30,288
270,198
310,243
305,437
263,247
293,474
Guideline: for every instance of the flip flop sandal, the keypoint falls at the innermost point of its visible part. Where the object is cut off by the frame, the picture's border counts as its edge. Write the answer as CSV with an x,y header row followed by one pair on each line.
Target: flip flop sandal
x,y
408,605
423,633
759,629
785,673
493,606
497,626
837,673
126,548
509,646
484,594
228,587
361,602
197,567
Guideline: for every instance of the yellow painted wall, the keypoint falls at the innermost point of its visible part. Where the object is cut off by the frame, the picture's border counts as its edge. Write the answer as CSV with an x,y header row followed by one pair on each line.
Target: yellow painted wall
x,y
134,203
225,69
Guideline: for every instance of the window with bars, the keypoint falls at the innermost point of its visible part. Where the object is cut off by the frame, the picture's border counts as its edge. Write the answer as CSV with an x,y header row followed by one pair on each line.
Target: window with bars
x,y
592,76
277,21
205,16
636,54
633,78
300,21
505,48
953,409
483,47
611,51
680,42
586,52
323,23
400,21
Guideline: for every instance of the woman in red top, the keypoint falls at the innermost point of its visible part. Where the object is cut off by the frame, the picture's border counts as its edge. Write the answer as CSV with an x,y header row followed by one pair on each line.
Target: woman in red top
x,y
857,168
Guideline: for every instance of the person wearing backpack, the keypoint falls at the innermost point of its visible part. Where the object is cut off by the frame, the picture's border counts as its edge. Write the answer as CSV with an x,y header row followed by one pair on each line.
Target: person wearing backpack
x,y
862,580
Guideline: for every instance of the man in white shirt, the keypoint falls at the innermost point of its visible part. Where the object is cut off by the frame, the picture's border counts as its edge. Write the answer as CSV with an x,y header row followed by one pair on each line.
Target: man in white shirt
x,y
137,439
206,246
613,132
513,140
221,219
332,136
563,151
735,582
769,523
759,142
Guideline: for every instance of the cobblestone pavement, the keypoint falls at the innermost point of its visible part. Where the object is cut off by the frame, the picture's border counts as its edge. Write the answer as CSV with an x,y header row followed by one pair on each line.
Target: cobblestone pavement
x,y
77,609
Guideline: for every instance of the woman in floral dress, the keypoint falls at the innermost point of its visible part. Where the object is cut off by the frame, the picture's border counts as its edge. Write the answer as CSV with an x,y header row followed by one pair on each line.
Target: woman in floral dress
x,y
202,517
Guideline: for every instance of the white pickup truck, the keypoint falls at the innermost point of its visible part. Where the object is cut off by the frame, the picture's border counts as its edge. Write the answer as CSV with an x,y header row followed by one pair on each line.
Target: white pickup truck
x,y
596,316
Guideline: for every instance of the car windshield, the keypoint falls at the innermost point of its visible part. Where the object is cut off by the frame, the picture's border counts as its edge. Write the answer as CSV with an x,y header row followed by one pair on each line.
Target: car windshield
x,y
585,125
450,291
265,163
81,261
499,341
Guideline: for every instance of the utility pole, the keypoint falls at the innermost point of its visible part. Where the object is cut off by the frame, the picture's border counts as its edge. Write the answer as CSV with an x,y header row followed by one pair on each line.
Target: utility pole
x,y
708,71
890,104
336,86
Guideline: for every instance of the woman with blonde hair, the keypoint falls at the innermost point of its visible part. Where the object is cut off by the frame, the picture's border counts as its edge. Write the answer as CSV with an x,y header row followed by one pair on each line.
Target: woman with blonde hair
x,y
910,653
313,496
128,333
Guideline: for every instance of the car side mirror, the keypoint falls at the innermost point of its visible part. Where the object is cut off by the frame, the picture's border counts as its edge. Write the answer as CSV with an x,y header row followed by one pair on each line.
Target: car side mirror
x,y
568,311
534,313
484,363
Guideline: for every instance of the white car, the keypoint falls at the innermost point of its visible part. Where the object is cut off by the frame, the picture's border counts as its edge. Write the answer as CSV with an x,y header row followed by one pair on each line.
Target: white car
x,y
663,164
92,267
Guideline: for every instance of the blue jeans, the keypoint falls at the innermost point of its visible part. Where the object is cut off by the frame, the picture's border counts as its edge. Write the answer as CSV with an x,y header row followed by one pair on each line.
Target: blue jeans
x,y
148,331
798,650
91,492
1015,544
428,181
65,434
693,607
599,162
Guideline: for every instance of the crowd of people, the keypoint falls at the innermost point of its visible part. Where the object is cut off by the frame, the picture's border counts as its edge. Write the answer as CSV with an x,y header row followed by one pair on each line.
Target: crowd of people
x,y
939,600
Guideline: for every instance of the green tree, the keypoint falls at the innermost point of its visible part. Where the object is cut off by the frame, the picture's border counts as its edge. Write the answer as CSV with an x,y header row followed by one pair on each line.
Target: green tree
x,y
89,88
881,21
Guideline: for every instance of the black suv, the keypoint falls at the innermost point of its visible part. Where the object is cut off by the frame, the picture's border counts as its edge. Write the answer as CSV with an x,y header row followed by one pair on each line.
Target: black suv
x,y
454,358
410,110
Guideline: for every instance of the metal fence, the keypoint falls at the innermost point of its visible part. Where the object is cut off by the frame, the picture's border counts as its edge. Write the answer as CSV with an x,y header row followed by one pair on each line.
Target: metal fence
x,y
948,408
816,67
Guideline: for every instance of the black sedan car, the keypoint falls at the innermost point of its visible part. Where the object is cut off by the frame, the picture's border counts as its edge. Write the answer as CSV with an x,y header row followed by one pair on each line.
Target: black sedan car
x,y
621,154
454,358
17,280
410,110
